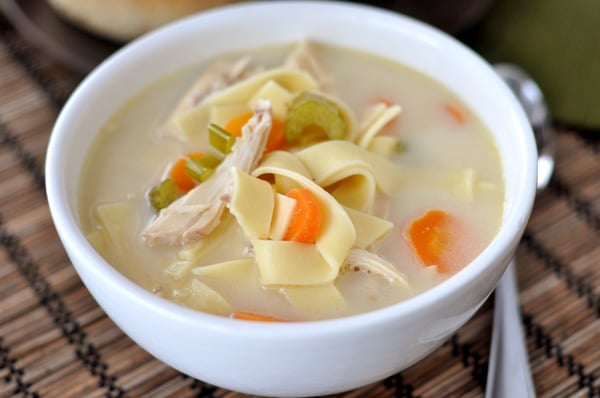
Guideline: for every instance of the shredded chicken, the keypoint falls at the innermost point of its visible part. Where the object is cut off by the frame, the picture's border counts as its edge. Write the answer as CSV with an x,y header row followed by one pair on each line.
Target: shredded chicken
x,y
303,58
198,212
372,263
217,77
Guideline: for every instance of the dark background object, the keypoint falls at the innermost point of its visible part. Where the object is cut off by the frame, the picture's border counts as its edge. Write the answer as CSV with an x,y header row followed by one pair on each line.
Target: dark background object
x,y
73,47
81,51
452,16
558,43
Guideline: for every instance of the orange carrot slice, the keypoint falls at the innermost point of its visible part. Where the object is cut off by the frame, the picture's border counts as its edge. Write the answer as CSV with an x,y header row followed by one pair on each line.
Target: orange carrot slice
x,y
276,136
437,239
183,181
305,223
234,126
250,316
456,113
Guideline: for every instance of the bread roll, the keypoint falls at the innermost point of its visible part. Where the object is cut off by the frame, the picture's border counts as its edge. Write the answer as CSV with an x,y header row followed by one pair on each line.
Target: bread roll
x,y
123,20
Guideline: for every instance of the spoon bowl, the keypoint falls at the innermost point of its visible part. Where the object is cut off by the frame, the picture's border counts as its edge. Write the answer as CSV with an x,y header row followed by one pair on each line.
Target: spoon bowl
x,y
531,98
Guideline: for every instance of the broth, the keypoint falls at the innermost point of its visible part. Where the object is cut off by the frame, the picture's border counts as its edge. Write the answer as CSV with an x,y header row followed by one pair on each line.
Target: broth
x,y
131,154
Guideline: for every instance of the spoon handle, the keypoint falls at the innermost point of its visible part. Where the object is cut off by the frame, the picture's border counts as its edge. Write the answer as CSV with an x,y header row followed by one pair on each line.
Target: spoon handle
x,y
508,374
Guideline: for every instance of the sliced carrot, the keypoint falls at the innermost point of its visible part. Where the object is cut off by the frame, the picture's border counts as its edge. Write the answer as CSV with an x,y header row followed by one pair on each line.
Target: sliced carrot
x,y
438,239
183,181
276,136
456,113
234,126
250,316
305,223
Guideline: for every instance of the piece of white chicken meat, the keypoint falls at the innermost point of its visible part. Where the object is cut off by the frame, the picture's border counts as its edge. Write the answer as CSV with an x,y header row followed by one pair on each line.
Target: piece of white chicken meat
x,y
303,58
198,212
364,260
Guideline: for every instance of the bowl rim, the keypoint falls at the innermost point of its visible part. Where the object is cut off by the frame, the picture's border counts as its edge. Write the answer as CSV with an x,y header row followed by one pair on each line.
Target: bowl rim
x,y
78,247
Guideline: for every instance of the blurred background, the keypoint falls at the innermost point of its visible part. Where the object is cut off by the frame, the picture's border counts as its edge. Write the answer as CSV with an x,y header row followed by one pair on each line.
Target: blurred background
x,y
557,42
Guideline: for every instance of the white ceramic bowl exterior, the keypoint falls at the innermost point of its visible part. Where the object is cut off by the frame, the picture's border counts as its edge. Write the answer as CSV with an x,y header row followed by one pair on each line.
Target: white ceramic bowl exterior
x,y
299,358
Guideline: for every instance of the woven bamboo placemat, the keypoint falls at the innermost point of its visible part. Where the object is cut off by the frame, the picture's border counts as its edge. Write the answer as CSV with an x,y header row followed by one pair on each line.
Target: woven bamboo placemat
x,y
56,342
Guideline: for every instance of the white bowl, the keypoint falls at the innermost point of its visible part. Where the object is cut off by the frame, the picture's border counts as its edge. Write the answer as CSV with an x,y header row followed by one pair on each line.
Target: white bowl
x,y
291,359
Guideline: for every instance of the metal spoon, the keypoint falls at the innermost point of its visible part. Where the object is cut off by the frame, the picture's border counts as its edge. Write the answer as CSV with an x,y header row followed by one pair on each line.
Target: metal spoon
x,y
509,374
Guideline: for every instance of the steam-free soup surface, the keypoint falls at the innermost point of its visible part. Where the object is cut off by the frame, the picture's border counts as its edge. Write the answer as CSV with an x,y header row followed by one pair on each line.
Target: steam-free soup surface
x,y
443,207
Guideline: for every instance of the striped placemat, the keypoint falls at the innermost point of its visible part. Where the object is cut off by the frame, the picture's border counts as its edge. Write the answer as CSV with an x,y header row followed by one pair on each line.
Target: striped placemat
x,y
56,342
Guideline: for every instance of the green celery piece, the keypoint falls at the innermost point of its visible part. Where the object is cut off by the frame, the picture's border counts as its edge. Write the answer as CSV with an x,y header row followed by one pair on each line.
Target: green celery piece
x,y
310,109
220,139
400,147
164,194
200,169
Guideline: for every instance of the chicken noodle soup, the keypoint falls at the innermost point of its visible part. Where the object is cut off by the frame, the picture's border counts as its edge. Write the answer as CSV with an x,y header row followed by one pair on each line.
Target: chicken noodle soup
x,y
292,183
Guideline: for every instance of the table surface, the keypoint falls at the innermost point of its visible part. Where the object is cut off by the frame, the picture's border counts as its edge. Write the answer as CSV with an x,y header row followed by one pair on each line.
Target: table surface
x,y
56,342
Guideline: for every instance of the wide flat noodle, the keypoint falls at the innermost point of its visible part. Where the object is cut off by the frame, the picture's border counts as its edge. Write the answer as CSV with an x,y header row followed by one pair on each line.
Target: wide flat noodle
x,y
335,239
291,263
283,211
369,229
277,95
97,239
238,269
281,160
392,178
238,282
222,114
118,222
352,174
191,255
341,165
252,204
194,122
385,145
199,296
324,301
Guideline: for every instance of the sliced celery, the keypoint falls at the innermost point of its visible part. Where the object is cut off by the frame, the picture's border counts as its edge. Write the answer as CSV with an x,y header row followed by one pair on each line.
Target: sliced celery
x,y
400,147
310,109
164,194
201,168
220,139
